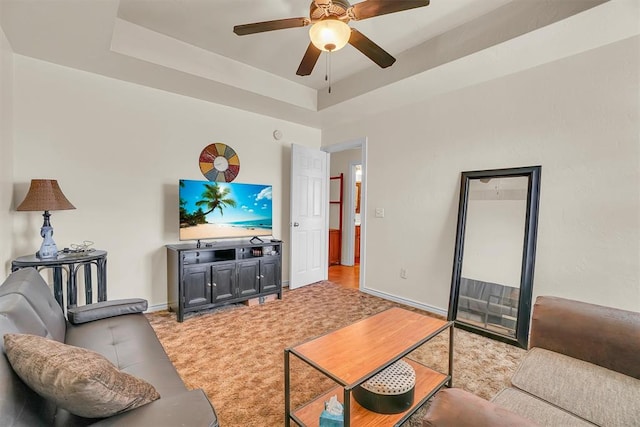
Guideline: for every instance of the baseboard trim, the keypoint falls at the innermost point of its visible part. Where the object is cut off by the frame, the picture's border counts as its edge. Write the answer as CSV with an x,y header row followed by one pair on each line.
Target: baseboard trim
x,y
157,307
410,303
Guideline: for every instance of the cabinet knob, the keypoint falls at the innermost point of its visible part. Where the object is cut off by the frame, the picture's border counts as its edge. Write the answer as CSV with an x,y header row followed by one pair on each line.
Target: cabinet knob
x,y
209,284
262,276
215,285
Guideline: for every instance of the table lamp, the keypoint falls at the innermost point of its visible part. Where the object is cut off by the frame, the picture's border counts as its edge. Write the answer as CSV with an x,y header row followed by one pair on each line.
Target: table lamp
x,y
45,195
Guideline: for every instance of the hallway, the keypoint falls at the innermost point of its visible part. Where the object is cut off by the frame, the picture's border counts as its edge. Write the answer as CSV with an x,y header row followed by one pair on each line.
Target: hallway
x,y
348,277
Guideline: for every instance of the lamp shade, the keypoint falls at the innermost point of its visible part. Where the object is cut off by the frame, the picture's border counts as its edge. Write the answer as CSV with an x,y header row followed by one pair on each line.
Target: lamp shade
x,y
330,34
45,195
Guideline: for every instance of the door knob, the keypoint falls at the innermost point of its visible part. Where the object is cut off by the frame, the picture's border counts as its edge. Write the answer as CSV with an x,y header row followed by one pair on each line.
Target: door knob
x,y
295,224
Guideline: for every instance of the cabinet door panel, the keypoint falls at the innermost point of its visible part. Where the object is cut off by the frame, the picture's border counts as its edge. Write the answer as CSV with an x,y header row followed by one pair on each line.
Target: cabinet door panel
x,y
269,274
197,289
223,281
248,278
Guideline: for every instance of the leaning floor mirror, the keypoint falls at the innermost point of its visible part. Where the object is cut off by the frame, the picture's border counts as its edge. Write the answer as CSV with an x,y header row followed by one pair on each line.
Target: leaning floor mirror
x,y
494,257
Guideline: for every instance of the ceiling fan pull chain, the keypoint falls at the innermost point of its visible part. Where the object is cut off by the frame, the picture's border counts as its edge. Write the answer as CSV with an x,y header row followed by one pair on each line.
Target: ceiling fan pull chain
x,y
326,67
329,71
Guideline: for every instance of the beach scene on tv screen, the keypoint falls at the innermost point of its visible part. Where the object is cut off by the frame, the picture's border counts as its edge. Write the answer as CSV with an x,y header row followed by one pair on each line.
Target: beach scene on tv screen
x,y
210,210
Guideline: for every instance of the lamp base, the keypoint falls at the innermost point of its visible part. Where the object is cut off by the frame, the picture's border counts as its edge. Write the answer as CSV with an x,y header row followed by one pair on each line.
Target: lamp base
x,y
48,249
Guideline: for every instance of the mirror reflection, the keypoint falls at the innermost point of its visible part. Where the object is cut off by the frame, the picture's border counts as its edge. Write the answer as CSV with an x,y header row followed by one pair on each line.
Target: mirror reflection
x,y
489,290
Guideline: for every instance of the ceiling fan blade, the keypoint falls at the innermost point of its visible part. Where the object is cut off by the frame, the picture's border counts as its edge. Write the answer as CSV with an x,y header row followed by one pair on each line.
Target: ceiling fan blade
x,y
309,60
370,49
371,8
261,27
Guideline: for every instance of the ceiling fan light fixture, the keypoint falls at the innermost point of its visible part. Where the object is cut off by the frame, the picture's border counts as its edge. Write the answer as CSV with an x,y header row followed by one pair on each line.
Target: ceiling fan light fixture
x,y
330,34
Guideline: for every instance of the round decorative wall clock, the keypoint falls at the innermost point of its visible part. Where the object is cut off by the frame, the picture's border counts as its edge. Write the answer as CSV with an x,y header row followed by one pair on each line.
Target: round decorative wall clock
x,y
219,162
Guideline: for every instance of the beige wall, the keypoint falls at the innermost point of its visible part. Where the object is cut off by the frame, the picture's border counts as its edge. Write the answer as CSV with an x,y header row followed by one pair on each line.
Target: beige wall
x,y
577,117
118,149
6,152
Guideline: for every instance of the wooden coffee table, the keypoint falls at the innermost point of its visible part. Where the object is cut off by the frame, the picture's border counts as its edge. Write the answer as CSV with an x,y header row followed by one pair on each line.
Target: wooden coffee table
x,y
353,354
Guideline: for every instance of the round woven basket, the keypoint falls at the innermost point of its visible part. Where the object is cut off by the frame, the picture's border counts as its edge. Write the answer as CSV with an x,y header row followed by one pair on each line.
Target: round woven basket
x,y
390,391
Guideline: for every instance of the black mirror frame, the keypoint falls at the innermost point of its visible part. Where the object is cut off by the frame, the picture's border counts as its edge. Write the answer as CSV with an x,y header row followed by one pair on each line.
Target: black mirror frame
x,y
528,255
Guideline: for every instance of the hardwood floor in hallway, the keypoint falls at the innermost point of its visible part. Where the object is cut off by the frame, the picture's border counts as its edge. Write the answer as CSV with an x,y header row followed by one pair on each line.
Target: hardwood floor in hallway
x,y
348,277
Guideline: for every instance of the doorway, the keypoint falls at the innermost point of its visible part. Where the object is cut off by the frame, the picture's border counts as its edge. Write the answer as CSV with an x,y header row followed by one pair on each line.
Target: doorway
x,y
346,213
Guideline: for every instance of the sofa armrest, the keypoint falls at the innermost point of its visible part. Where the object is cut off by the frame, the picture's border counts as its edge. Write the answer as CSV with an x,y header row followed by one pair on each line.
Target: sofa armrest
x,y
604,336
454,407
191,408
104,309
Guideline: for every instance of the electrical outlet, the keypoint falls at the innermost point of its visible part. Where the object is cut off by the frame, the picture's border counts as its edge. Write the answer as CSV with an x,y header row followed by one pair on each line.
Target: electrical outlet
x,y
403,273
379,212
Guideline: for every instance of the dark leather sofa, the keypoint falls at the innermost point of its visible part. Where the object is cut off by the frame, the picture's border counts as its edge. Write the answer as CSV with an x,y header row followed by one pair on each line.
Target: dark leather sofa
x,y
126,339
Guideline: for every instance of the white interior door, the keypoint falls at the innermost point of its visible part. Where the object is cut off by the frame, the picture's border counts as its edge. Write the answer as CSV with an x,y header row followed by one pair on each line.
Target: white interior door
x,y
309,220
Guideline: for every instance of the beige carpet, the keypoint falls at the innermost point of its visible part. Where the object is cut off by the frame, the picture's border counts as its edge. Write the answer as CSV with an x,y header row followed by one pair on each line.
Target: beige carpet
x,y
236,354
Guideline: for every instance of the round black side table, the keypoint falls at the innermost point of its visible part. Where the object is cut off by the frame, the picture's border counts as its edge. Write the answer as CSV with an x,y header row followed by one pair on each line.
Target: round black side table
x,y
71,263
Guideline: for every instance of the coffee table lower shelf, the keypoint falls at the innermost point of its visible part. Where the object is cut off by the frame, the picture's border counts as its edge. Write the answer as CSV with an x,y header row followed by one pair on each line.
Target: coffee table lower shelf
x,y
428,382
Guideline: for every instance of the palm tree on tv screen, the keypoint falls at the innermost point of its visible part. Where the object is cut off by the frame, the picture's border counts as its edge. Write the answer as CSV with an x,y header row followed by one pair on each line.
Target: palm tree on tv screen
x,y
214,197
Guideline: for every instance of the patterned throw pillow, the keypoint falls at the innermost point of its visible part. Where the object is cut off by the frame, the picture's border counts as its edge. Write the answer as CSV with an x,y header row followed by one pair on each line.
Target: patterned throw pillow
x,y
81,381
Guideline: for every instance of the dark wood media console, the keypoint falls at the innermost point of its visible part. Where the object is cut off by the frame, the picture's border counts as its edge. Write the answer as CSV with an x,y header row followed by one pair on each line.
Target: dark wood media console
x,y
221,273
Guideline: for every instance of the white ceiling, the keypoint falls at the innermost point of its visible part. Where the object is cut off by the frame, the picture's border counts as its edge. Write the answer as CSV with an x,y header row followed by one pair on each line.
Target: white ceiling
x,y
209,25
188,47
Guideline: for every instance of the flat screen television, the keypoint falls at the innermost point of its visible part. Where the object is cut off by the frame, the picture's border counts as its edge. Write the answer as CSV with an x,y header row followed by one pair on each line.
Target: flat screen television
x,y
217,210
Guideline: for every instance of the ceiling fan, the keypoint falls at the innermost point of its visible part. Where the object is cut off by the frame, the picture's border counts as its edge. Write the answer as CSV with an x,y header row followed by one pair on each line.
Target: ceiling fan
x,y
329,31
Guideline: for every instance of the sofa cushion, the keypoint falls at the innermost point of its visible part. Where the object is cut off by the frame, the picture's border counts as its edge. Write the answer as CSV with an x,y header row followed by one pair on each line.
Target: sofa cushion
x,y
22,316
455,407
537,410
130,343
79,380
19,405
28,284
605,336
190,408
597,394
